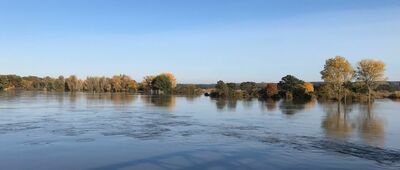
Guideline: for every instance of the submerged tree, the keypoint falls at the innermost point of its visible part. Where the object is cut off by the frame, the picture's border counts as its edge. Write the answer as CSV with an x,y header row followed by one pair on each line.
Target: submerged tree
x,y
370,72
189,89
221,90
116,83
336,72
146,83
249,88
269,91
72,84
290,85
162,83
60,83
171,78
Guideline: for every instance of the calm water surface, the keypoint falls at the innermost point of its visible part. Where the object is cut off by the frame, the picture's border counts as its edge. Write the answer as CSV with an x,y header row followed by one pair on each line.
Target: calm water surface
x,y
102,131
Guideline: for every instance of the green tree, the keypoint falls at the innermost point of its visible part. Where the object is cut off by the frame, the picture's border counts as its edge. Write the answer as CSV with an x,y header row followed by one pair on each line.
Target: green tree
x,y
232,86
288,85
221,90
189,89
162,83
250,88
232,91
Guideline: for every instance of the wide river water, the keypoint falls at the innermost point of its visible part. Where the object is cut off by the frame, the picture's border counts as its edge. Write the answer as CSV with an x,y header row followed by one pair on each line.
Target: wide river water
x,y
40,130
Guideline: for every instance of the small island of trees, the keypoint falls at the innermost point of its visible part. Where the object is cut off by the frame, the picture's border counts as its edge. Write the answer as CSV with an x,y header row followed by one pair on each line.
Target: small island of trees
x,y
341,83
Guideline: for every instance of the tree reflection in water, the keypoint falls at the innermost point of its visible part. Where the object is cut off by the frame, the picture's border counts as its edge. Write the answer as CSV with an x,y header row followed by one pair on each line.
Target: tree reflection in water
x,y
248,103
370,127
191,98
286,107
72,97
232,105
220,103
310,104
117,99
336,123
291,107
339,123
167,102
270,104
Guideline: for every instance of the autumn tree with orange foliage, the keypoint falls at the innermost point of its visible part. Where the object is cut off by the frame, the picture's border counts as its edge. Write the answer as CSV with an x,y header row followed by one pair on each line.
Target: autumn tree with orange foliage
x,y
370,73
337,71
270,90
309,87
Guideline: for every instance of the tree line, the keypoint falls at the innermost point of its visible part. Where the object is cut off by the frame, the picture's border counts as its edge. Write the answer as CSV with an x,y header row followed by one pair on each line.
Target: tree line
x,y
164,83
290,87
117,83
342,82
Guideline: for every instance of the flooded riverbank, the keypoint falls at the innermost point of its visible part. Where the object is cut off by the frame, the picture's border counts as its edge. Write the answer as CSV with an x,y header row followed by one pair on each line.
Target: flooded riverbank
x,y
116,131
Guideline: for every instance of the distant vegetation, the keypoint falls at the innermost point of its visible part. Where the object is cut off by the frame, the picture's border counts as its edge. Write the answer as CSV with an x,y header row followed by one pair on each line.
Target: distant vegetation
x,y
342,83
161,84
288,88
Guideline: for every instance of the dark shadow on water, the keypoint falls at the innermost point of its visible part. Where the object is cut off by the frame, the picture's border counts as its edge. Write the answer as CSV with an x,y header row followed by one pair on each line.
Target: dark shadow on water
x,y
197,159
305,143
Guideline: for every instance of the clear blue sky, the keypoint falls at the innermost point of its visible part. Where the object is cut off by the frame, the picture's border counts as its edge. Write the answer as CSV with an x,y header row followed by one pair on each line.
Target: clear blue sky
x,y
200,41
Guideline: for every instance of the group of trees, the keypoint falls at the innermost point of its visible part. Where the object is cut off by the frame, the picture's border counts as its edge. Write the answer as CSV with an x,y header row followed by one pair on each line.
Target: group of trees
x,y
228,90
117,83
338,74
289,87
341,81
163,83
233,90
189,89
